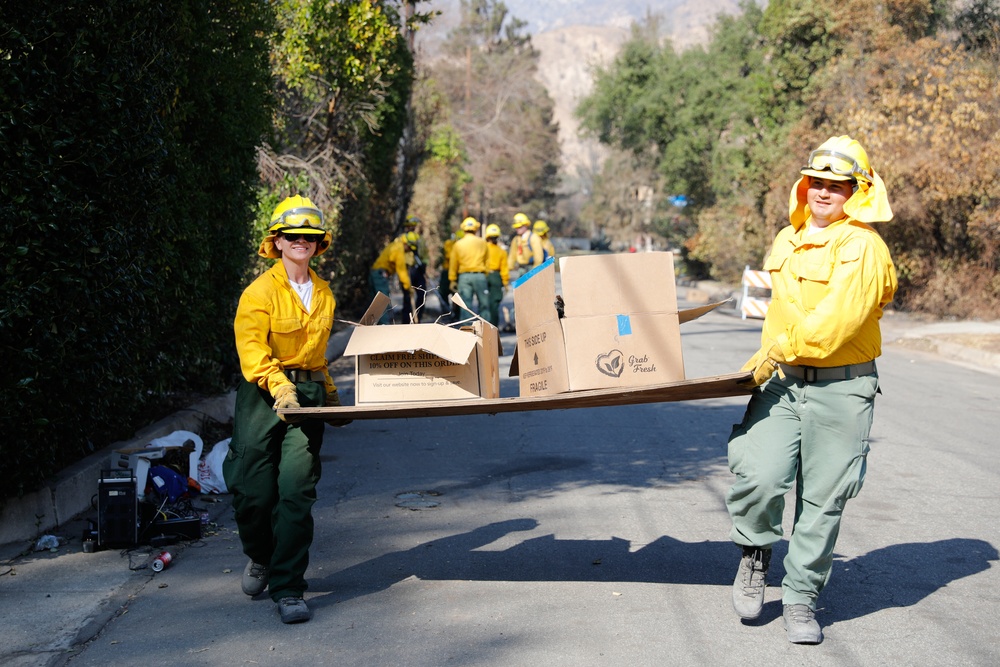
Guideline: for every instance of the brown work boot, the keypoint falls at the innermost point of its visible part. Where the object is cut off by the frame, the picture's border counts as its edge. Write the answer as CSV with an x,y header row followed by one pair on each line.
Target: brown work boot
x,y
748,588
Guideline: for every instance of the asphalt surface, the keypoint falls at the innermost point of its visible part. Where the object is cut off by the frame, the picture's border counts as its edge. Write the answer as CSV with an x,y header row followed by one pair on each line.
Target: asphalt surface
x,y
432,551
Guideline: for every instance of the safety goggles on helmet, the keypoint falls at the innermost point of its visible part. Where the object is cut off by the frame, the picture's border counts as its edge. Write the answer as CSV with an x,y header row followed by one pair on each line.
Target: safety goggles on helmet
x,y
299,217
836,163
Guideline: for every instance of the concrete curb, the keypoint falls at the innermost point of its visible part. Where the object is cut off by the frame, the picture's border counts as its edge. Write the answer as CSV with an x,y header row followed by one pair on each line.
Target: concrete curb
x,y
73,489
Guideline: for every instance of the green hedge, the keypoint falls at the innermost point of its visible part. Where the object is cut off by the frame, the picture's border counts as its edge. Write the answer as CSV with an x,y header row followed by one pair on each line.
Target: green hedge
x,y
127,146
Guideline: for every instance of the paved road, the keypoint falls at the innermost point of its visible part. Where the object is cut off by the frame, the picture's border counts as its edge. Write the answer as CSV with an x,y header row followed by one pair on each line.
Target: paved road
x,y
579,537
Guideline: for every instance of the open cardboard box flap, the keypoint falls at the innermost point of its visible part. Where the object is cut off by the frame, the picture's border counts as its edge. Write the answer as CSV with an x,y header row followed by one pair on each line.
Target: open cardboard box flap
x,y
423,362
441,341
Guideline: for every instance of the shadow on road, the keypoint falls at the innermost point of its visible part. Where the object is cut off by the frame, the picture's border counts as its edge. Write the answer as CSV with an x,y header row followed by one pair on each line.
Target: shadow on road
x,y
896,576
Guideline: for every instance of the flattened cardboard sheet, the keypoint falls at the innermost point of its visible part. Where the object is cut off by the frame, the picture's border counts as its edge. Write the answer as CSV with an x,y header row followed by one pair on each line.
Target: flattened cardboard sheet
x,y
716,386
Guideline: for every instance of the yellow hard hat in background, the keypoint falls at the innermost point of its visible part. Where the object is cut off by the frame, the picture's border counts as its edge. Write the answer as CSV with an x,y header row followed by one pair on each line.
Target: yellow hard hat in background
x,y
521,220
540,227
411,221
492,231
470,224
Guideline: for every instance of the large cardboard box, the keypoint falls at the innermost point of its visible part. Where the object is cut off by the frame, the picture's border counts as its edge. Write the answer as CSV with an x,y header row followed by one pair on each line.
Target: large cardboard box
x,y
406,363
620,329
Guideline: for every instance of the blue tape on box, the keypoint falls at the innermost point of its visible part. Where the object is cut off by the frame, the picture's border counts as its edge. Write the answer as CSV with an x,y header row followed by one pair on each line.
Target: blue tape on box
x,y
538,269
624,325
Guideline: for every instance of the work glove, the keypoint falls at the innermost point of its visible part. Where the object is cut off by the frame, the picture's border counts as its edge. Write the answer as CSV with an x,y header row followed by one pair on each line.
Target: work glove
x,y
763,364
285,397
453,286
333,401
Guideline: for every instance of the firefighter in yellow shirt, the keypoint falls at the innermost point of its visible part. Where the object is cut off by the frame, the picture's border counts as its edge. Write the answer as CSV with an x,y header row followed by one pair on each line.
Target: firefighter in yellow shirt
x,y
526,250
393,260
282,327
413,298
541,230
444,285
808,420
467,266
497,274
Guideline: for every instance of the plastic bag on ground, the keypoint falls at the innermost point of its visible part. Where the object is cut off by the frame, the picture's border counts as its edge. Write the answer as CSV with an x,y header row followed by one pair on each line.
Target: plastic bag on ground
x,y
210,469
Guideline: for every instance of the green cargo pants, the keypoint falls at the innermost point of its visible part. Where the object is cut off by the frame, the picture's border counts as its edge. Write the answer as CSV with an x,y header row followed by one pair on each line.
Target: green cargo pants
x,y
814,435
494,283
272,471
470,284
380,283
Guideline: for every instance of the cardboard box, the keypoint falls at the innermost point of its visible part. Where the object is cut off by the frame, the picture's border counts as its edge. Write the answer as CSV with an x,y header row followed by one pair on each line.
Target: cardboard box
x,y
406,363
620,329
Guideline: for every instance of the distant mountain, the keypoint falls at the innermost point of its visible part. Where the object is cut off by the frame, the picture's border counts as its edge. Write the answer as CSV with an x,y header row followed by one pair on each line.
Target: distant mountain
x,y
684,21
573,37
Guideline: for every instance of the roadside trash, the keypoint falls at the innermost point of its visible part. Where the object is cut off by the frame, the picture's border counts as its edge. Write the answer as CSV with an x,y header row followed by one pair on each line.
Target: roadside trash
x,y
47,542
162,560
210,469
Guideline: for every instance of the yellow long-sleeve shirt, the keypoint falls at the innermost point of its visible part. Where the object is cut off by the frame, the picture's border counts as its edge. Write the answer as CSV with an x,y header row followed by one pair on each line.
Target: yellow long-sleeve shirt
x,y
468,255
548,247
497,261
274,331
393,259
828,292
526,251
446,254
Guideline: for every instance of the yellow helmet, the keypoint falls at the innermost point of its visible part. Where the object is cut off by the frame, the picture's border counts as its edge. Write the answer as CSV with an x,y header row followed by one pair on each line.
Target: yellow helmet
x,y
470,224
842,159
411,239
298,214
492,231
521,220
411,221
540,227
839,159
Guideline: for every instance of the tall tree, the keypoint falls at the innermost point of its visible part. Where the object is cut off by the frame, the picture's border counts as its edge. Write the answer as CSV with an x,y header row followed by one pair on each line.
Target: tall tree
x,y
343,72
501,113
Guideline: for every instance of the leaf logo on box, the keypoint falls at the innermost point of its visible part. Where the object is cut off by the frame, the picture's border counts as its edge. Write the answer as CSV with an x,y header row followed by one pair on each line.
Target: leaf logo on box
x,y
612,363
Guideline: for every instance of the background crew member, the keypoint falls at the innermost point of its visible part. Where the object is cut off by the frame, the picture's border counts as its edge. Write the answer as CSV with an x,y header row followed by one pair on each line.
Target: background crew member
x,y
467,266
413,298
393,259
541,229
526,250
497,274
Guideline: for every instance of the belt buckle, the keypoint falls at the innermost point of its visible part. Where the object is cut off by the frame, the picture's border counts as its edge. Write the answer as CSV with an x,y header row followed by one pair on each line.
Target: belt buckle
x,y
809,373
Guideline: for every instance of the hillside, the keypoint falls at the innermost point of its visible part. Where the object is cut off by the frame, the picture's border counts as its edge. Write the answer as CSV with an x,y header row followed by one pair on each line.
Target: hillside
x,y
575,36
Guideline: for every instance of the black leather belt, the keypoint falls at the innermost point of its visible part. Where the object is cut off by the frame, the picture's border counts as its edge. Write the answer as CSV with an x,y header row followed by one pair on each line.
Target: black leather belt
x,y
816,374
298,375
